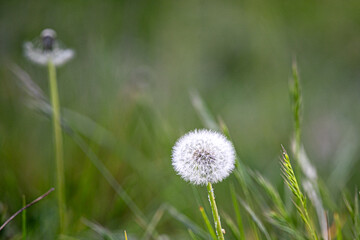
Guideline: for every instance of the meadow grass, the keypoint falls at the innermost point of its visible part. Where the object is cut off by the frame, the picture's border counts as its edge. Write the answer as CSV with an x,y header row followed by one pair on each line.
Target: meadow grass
x,y
251,218
124,103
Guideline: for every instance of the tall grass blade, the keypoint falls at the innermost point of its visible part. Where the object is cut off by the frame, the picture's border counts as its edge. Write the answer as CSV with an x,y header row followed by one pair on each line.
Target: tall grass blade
x,y
154,221
192,235
103,232
186,221
198,199
344,161
110,179
207,223
237,212
296,99
314,197
271,192
338,227
255,218
354,214
285,225
66,237
203,111
24,218
235,231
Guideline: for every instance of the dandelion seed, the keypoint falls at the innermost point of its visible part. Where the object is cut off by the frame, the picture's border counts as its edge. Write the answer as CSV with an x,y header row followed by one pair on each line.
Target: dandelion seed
x,y
203,156
47,48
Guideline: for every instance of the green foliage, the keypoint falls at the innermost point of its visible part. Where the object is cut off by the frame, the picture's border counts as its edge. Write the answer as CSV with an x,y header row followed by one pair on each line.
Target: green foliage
x,y
125,99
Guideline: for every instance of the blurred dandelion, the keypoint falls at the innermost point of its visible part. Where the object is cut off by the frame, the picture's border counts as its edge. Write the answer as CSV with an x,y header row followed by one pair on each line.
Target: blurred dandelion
x,y
204,157
47,48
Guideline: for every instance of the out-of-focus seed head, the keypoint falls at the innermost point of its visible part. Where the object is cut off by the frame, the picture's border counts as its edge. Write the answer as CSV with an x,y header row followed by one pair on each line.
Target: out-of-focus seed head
x,y
48,37
47,48
203,156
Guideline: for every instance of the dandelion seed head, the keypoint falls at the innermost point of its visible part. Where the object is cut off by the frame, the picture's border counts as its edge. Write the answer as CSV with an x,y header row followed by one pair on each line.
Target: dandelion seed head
x,y
48,37
203,156
47,48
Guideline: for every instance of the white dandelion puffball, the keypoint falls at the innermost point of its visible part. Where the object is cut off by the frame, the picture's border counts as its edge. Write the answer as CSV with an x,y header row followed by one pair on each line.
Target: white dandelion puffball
x,y
203,156
47,48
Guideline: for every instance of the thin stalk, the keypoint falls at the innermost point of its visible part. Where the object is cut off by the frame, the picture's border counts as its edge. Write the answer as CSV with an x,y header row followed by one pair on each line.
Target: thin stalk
x,y
23,208
297,108
192,234
24,219
59,156
237,212
215,212
208,224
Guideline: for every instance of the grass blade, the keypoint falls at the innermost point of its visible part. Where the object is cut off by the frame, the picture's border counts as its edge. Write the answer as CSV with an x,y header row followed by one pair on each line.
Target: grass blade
x,y
237,212
296,99
235,231
203,111
192,234
338,227
103,232
24,218
186,221
154,221
255,218
207,223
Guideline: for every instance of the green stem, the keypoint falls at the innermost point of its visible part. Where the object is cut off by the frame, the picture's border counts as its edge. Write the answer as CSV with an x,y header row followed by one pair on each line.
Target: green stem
x,y
208,224
24,218
60,178
215,212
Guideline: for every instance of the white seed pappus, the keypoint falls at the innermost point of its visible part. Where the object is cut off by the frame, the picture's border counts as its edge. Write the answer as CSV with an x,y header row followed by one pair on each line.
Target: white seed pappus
x,y
47,48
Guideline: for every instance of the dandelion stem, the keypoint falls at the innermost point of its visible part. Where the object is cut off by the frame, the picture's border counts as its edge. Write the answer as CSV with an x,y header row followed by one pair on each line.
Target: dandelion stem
x,y
215,212
60,178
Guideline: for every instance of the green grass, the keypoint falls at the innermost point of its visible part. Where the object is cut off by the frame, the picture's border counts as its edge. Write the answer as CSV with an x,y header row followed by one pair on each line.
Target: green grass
x,y
125,100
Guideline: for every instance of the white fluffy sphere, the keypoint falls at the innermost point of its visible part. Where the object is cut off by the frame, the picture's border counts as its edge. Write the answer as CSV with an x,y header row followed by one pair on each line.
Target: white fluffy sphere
x,y
203,156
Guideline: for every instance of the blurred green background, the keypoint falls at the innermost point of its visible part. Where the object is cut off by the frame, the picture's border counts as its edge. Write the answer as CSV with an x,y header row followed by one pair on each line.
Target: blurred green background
x,y
135,64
